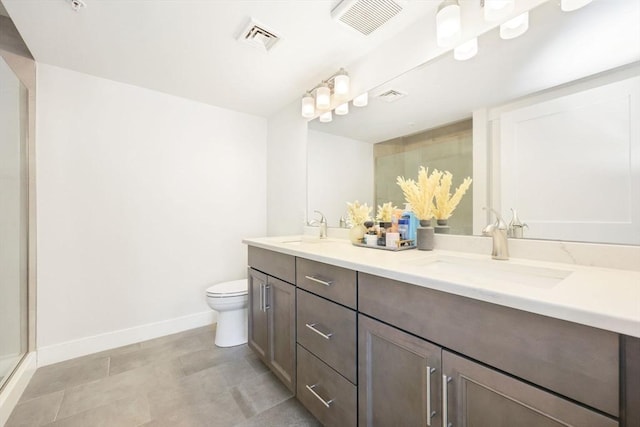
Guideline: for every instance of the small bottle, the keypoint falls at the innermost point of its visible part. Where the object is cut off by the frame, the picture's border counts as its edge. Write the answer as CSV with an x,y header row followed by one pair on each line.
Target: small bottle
x,y
403,228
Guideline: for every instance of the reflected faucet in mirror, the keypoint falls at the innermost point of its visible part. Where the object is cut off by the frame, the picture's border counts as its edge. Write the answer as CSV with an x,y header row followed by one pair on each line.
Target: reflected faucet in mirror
x,y
498,232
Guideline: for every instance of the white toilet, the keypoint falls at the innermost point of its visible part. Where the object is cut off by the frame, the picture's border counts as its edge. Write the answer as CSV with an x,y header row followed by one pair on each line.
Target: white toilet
x,y
230,300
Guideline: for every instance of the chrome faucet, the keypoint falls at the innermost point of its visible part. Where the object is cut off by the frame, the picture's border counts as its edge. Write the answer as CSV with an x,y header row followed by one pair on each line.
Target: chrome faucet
x,y
498,231
323,225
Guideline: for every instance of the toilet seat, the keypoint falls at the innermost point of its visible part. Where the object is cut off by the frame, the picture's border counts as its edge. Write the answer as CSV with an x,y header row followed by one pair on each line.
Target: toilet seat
x,y
234,288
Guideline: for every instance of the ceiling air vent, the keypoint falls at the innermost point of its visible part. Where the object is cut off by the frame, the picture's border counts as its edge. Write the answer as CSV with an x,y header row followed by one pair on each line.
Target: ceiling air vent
x,y
365,16
391,95
258,36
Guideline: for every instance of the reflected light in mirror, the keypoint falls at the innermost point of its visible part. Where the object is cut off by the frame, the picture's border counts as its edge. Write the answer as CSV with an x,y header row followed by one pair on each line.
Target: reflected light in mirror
x,y
326,117
448,23
308,108
571,5
496,9
466,50
341,83
515,27
361,100
342,109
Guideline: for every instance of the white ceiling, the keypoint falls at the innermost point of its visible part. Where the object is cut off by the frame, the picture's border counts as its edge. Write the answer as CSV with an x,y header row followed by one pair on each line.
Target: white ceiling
x,y
188,48
558,48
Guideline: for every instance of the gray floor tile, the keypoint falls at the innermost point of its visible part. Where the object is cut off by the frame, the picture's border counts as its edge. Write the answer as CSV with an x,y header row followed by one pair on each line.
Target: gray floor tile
x,y
167,350
64,375
128,412
87,396
209,330
289,413
37,411
207,358
221,411
260,393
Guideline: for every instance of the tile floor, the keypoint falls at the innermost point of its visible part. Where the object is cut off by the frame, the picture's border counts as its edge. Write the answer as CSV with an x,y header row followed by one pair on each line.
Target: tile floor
x,y
177,380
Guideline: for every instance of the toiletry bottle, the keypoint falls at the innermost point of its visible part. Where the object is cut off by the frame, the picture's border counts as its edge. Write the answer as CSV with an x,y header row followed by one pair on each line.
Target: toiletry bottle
x,y
403,228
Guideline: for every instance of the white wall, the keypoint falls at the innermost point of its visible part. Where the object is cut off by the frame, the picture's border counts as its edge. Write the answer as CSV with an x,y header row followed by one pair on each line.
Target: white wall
x,y
287,172
340,170
143,199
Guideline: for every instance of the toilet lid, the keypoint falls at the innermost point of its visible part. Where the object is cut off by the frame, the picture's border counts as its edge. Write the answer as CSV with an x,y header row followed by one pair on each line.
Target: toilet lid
x,y
233,288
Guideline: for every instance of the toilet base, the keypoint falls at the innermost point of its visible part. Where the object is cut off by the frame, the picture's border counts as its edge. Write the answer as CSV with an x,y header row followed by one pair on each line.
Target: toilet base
x,y
232,328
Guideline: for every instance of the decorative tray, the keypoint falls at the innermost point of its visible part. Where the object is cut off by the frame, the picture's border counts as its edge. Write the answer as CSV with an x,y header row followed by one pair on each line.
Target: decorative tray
x,y
403,246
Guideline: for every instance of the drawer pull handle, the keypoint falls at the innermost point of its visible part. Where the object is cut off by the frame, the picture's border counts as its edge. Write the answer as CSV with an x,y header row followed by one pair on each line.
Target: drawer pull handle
x,y
322,334
323,282
326,403
430,414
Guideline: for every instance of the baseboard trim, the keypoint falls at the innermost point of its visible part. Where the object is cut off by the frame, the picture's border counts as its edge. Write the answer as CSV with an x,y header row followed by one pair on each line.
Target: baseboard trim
x,y
93,344
14,388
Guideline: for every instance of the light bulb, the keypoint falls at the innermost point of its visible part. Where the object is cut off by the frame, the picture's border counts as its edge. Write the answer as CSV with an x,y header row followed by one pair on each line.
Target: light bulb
x,y
308,107
466,50
361,100
496,9
571,5
326,117
323,97
515,27
448,23
341,83
342,109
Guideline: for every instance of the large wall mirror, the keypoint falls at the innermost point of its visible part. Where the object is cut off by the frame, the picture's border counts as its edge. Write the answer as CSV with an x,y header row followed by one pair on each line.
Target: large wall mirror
x,y
527,101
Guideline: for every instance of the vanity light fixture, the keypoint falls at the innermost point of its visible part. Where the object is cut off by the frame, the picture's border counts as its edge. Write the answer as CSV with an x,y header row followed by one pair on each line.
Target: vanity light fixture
x,y
448,23
571,5
330,92
361,100
326,117
466,50
494,10
515,27
342,109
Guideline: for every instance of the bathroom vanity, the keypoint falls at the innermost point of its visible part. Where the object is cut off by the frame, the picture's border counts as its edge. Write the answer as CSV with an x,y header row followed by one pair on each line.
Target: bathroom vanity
x,y
367,337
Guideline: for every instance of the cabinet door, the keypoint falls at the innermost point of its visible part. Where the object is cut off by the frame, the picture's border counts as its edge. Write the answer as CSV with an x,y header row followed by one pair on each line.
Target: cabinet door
x,y
281,309
475,395
399,377
258,318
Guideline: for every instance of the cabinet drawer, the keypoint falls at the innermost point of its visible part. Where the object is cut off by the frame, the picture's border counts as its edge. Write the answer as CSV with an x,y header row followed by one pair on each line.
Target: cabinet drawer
x,y
335,283
574,360
325,393
273,263
328,330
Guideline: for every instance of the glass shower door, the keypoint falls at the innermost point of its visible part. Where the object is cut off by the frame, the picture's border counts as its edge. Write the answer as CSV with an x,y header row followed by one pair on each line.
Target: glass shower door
x,y
13,221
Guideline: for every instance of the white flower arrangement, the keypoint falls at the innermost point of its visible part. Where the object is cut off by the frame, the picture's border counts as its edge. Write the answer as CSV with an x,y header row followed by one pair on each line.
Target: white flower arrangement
x,y
420,194
385,212
445,203
357,213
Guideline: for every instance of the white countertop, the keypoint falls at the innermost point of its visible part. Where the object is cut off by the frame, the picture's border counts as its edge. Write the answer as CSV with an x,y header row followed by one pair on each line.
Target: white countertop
x,y
604,298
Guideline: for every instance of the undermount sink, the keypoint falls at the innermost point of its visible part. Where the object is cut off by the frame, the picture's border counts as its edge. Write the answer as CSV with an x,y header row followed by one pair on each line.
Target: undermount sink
x,y
492,271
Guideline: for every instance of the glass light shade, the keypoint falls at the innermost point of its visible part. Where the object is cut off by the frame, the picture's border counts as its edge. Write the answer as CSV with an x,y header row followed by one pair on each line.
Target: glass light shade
x,y
342,109
323,97
448,23
496,9
361,100
515,27
341,84
466,50
308,106
571,5
326,117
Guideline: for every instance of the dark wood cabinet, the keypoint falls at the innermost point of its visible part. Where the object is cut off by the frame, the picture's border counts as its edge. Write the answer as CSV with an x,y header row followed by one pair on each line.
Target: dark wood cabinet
x,y
475,395
272,311
399,377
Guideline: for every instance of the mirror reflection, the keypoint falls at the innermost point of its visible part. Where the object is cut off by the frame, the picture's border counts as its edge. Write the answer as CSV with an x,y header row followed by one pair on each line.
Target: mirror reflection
x,y
558,57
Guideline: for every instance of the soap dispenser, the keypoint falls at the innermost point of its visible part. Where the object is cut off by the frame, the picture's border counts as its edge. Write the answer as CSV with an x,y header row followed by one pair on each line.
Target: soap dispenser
x,y
516,227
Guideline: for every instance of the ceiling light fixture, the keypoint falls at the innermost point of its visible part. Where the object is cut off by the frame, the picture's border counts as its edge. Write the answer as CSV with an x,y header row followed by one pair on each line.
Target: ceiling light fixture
x,y
448,23
330,92
495,10
466,50
571,5
515,27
